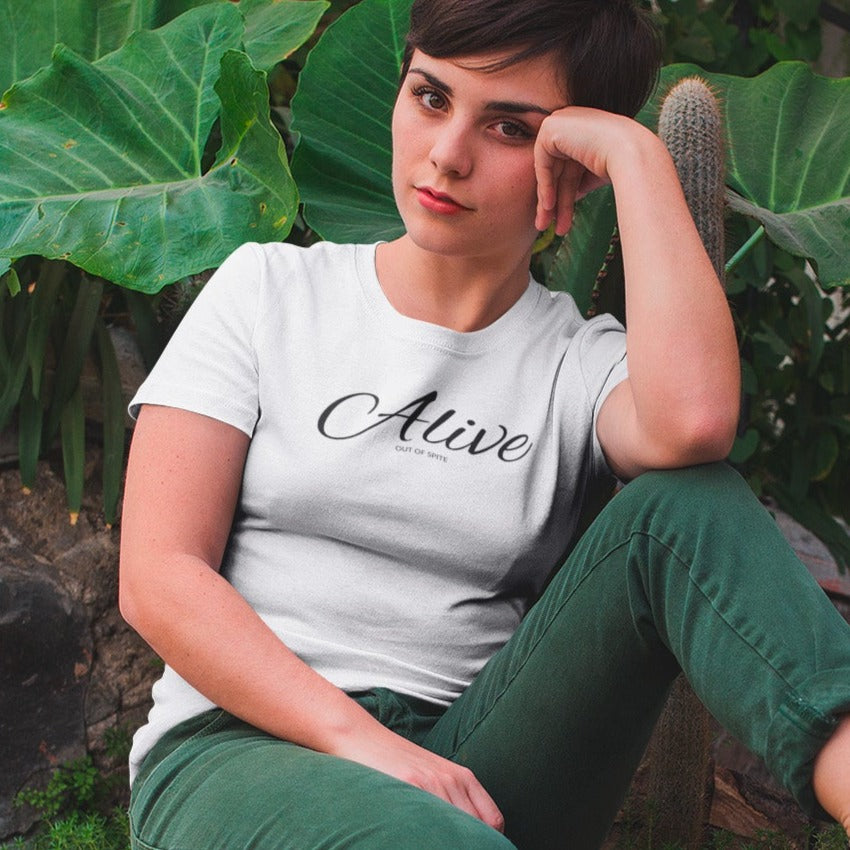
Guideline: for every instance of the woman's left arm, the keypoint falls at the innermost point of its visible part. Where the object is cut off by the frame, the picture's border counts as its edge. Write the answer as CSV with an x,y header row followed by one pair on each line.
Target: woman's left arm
x,y
680,403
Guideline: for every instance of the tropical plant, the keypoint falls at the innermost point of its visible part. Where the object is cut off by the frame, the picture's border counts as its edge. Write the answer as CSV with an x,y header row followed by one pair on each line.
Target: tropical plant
x,y
137,167
742,37
787,176
143,166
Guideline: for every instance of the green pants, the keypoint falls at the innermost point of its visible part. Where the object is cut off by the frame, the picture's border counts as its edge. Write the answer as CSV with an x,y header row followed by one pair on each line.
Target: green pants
x,y
682,569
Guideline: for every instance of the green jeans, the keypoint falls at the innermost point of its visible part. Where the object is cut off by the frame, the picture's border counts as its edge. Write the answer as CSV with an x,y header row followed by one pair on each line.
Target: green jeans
x,y
682,570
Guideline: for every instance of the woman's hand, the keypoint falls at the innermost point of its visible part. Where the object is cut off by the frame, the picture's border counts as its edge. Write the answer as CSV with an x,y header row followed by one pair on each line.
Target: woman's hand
x,y
575,152
404,760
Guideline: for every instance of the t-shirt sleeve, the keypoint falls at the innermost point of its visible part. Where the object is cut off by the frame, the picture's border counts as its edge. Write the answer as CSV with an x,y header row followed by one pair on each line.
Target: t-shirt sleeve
x,y
209,365
604,365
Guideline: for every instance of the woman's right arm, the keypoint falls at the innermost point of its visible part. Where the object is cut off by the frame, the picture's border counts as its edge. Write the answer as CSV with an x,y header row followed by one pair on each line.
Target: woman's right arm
x,y
183,480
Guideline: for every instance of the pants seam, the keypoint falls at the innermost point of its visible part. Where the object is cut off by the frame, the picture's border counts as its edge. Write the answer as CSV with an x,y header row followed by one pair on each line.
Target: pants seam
x,y
220,717
137,843
692,581
790,690
533,648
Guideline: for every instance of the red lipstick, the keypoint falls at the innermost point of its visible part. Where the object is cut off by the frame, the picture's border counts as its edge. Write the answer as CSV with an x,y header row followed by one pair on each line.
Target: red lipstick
x,y
438,202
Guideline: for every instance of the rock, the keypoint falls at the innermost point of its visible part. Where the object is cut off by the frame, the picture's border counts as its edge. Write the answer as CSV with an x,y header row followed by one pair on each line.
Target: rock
x,y
44,665
74,678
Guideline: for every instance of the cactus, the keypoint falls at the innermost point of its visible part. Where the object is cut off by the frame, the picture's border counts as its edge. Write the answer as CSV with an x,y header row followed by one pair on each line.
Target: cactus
x,y
681,771
691,127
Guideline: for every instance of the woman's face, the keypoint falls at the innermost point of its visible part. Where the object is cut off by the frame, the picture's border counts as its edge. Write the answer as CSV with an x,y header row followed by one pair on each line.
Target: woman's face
x,y
463,152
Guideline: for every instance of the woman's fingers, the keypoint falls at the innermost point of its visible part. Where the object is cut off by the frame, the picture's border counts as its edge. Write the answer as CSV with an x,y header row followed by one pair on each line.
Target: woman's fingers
x,y
568,187
548,170
424,769
459,786
483,804
558,182
570,159
462,789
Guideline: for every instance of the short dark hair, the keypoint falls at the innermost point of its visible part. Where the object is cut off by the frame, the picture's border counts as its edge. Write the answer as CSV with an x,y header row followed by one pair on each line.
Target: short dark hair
x,y
610,50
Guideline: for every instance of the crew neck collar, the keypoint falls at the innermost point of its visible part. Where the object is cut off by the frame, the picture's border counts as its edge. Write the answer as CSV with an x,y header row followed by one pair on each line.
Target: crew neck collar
x,y
492,336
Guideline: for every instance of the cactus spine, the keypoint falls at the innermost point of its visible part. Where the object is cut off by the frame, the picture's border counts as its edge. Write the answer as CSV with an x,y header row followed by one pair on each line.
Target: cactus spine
x,y
691,127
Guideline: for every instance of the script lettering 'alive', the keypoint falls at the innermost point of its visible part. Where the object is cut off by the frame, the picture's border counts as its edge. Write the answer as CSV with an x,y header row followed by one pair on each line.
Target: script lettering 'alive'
x,y
357,413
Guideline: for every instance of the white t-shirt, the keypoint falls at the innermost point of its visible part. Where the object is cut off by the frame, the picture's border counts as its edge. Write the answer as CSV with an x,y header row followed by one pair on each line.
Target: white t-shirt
x,y
408,487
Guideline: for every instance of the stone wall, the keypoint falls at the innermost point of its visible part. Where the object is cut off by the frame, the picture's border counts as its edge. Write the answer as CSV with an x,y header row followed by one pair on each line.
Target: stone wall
x,y
74,678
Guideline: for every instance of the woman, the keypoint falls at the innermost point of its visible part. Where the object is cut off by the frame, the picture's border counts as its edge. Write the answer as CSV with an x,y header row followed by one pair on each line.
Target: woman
x,y
355,466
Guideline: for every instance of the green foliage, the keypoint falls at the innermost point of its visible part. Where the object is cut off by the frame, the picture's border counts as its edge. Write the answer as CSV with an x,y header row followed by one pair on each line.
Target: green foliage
x,y
117,742
91,28
190,163
570,265
792,173
74,786
831,838
74,806
128,198
795,428
79,831
140,166
88,832
739,36
48,330
343,160
788,170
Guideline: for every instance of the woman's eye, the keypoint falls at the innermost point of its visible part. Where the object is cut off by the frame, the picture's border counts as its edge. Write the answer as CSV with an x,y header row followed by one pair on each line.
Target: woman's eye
x,y
429,98
513,130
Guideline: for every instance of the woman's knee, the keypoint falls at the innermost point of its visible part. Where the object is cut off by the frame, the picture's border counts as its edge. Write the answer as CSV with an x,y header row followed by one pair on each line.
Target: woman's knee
x,y
710,493
710,480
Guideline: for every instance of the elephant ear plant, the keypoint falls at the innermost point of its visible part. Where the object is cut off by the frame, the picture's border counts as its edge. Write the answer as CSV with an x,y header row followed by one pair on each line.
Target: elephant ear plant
x,y
133,168
787,144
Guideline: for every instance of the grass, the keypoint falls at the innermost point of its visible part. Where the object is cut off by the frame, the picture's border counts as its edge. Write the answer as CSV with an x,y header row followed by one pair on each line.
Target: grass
x,y
76,808
79,831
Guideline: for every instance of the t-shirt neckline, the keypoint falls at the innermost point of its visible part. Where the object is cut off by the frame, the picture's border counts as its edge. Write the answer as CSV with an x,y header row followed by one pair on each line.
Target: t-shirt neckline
x,y
495,334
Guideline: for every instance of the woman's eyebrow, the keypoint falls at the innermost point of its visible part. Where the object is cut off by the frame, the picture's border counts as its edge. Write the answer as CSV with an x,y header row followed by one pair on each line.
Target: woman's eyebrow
x,y
513,107
432,80
516,108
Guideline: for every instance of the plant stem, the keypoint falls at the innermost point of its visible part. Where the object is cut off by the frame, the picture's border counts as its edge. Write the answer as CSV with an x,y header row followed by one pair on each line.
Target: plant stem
x,y
744,249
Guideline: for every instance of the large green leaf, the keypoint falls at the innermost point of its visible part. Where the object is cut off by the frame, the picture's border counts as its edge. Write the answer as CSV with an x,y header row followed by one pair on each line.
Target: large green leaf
x,y
100,163
788,158
92,28
342,110
31,28
582,251
276,28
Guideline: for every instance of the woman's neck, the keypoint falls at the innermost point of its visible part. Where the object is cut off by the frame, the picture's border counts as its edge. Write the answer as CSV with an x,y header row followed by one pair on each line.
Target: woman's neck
x,y
460,293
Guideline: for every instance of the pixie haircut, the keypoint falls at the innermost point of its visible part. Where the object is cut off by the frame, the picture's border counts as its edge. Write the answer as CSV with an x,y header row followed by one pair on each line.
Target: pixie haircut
x,y
609,50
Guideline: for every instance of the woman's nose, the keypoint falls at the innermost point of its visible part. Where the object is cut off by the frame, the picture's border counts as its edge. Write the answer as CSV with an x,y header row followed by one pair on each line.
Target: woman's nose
x,y
451,151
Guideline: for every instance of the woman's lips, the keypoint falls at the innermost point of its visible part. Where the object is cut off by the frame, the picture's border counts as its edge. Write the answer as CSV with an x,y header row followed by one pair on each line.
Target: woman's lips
x,y
438,202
